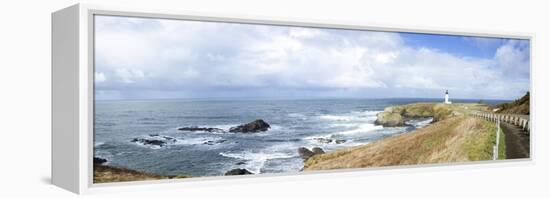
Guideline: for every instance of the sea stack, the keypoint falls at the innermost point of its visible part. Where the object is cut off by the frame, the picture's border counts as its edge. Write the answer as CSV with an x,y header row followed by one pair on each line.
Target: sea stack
x,y
252,127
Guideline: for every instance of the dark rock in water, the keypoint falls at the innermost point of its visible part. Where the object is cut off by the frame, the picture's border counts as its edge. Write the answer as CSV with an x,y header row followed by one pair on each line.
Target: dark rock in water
x,y
339,141
252,127
238,171
99,161
168,138
323,140
154,135
160,143
195,128
317,151
328,141
240,163
155,142
212,142
305,153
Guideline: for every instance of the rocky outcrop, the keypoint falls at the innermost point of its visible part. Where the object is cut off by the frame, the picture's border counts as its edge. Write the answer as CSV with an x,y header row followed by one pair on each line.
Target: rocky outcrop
x,y
323,140
340,141
195,128
255,126
212,142
154,140
397,115
317,151
252,127
238,171
306,153
329,140
171,139
389,119
99,161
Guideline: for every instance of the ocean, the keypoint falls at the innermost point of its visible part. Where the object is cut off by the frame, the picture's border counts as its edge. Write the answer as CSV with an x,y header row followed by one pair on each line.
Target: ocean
x,y
294,124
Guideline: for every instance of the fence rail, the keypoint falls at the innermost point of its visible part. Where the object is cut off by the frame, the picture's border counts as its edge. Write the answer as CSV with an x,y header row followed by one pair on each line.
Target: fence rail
x,y
522,121
497,141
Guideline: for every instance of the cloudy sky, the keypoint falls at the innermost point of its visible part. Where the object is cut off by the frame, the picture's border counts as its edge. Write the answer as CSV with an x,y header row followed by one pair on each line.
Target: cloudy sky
x,y
139,58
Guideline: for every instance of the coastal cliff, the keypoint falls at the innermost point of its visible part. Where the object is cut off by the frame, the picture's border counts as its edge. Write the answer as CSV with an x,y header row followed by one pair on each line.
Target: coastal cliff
x,y
398,115
453,137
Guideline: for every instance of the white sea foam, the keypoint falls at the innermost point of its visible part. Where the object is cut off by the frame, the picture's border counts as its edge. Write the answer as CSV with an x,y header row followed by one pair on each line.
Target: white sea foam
x,y
297,115
148,145
255,160
393,130
362,128
346,125
344,135
275,127
193,141
225,127
366,113
170,141
354,116
420,123
336,117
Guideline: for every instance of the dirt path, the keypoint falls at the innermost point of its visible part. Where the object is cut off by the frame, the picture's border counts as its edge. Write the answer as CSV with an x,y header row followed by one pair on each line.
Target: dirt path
x,y
517,141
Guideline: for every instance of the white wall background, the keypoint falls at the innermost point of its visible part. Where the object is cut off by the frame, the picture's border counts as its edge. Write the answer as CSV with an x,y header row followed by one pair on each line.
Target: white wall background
x,y
25,97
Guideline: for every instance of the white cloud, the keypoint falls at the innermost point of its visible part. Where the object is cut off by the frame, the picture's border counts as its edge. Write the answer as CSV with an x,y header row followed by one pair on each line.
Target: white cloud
x,y
513,57
304,33
190,56
100,77
129,75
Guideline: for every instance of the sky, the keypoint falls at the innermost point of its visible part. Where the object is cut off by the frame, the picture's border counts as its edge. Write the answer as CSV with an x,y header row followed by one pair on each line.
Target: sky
x,y
144,58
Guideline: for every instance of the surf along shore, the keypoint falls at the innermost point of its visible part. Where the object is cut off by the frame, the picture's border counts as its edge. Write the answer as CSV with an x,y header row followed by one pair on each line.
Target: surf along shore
x,y
454,136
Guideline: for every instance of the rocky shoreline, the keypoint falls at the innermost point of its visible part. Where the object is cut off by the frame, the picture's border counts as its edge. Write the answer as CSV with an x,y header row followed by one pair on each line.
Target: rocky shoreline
x,y
391,117
105,173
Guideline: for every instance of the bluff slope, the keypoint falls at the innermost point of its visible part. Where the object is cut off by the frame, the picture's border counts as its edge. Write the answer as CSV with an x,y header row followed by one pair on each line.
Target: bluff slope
x,y
453,137
519,106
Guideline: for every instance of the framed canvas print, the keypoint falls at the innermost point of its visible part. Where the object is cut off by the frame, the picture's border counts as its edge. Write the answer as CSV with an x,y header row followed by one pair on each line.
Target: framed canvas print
x,y
149,97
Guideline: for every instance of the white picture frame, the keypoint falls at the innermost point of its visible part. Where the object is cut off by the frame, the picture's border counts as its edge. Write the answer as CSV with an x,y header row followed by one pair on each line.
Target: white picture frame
x,y
72,99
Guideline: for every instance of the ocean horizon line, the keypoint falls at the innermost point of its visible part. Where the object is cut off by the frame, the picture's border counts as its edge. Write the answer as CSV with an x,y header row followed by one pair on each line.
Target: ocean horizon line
x,y
299,98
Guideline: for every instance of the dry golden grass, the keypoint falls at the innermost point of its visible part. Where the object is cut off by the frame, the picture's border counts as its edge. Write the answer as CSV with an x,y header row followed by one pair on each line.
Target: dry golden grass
x,y
519,106
455,139
104,174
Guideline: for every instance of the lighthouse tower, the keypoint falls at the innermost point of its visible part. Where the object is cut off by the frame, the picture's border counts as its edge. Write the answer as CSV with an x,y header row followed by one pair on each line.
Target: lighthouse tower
x,y
447,97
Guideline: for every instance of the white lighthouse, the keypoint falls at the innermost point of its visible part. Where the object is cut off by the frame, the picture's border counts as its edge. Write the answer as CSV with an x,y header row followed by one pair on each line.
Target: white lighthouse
x,y
447,97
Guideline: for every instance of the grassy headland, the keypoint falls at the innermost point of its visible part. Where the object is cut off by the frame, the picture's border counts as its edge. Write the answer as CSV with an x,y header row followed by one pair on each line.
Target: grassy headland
x,y
105,174
519,106
453,137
